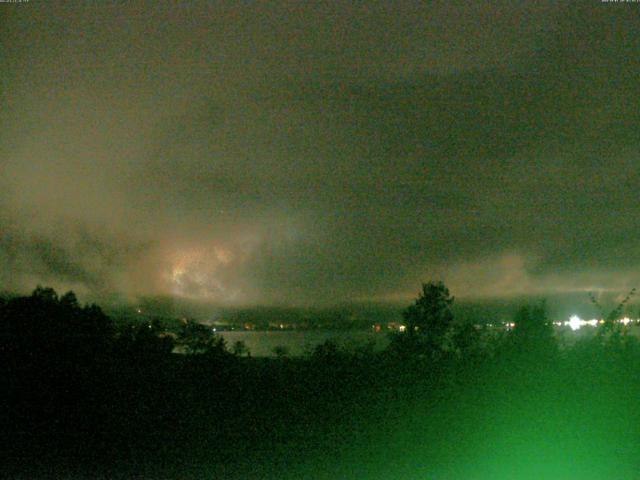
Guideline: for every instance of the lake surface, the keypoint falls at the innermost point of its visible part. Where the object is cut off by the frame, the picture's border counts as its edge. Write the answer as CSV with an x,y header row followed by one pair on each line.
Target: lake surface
x,y
301,342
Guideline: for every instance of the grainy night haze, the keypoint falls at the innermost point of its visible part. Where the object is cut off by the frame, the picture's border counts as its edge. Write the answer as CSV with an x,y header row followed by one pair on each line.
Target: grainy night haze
x,y
311,153
320,240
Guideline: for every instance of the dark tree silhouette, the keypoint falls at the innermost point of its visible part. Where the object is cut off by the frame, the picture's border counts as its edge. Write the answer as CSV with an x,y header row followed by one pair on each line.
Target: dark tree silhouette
x,y
467,340
199,339
328,350
240,349
194,336
44,327
533,331
429,319
145,340
280,351
611,324
69,300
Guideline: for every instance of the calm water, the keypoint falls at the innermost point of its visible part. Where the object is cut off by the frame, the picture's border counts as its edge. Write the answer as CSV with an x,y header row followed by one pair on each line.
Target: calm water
x,y
300,342
262,344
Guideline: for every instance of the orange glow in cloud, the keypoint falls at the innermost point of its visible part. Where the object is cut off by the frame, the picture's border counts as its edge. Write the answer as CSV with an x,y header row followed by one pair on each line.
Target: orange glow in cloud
x,y
198,272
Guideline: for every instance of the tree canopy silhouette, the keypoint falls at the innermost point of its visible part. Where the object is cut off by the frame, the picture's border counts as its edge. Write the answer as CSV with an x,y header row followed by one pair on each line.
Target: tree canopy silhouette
x,y
43,326
429,319
533,331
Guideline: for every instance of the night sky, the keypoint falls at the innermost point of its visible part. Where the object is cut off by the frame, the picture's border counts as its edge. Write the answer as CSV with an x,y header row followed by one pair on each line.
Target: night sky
x,y
319,152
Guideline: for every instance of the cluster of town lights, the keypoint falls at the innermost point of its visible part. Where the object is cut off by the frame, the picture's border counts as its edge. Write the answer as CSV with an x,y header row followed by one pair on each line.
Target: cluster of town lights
x,y
575,322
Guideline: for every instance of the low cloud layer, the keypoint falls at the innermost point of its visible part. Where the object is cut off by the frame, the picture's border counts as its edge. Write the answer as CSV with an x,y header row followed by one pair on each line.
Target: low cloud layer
x,y
311,154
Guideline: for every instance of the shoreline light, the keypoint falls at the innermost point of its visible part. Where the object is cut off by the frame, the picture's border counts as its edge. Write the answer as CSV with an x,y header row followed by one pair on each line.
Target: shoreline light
x,y
575,322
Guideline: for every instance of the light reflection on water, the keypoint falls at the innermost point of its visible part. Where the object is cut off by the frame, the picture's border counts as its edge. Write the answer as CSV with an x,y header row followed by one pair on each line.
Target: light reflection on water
x,y
301,342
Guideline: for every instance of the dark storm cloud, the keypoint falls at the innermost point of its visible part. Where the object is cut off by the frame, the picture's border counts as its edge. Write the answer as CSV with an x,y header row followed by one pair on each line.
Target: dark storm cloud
x,y
319,152
70,255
